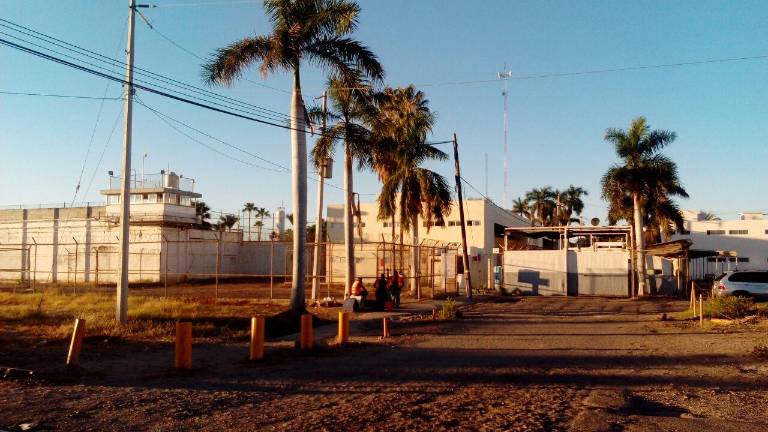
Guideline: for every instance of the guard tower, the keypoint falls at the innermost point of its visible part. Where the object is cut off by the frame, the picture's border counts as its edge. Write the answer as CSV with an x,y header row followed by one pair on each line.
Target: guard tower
x,y
165,199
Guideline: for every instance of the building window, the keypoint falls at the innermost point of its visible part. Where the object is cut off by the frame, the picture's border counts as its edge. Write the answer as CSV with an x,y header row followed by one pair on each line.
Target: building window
x,y
360,225
431,224
454,223
742,259
715,232
473,223
738,232
766,231
113,199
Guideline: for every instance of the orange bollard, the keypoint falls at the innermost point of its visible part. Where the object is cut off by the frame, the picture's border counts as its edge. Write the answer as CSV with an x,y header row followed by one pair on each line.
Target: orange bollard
x,y
305,341
183,345
385,324
76,343
257,338
343,327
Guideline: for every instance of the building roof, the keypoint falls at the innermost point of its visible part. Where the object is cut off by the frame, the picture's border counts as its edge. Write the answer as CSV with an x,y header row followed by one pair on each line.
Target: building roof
x,y
573,231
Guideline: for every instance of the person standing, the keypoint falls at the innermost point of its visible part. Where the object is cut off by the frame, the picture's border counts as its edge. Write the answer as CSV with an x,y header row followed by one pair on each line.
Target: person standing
x,y
380,292
395,288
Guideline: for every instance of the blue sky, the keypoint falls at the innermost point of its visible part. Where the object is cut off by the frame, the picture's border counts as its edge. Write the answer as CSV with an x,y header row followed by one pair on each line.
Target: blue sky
x,y
556,124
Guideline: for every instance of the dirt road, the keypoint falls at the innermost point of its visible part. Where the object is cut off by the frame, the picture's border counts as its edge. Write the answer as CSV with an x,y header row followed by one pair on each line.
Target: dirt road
x,y
537,364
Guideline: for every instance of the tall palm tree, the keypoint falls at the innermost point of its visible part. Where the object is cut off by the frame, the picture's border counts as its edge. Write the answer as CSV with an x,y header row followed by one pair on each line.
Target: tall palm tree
x,y
542,204
260,213
315,31
644,175
522,207
710,216
259,225
410,190
249,208
350,108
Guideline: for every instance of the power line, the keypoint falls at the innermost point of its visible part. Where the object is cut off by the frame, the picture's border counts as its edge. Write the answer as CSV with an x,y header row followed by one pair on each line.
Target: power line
x,y
165,118
209,3
63,96
140,71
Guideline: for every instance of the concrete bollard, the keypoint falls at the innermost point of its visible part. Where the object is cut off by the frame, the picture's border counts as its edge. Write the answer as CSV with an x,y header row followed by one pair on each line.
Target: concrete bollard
x,y
183,345
257,338
693,297
343,327
385,326
701,310
76,343
305,341
435,312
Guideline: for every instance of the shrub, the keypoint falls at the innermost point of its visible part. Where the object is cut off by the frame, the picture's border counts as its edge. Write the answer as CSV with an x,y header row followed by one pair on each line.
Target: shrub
x,y
731,307
448,309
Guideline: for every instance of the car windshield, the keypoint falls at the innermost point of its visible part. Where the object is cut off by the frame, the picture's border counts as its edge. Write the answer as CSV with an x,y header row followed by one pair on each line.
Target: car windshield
x,y
722,275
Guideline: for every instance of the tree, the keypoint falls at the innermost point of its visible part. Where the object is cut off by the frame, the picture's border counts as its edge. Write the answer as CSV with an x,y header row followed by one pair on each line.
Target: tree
x,y
261,213
570,202
227,221
542,202
410,190
314,31
710,216
644,176
521,206
203,211
249,208
350,109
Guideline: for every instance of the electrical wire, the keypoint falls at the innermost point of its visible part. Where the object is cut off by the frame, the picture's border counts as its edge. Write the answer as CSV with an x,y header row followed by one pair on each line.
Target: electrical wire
x,y
59,96
137,70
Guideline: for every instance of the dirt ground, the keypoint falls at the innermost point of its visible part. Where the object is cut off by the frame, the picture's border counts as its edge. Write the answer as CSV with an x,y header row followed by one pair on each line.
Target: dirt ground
x,y
582,364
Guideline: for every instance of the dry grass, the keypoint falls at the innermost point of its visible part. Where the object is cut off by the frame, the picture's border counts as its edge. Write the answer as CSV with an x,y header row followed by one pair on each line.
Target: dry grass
x,y
50,316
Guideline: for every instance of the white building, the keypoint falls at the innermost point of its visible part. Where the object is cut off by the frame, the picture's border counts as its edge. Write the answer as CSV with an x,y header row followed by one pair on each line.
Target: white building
x,y
742,243
485,231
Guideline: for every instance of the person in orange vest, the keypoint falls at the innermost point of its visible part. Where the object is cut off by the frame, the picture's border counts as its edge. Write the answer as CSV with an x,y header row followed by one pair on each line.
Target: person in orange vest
x,y
358,290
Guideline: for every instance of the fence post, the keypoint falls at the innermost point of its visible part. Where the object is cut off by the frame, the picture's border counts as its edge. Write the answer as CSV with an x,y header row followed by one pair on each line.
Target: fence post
x,y
305,341
218,263
97,267
77,247
165,271
271,267
34,267
701,310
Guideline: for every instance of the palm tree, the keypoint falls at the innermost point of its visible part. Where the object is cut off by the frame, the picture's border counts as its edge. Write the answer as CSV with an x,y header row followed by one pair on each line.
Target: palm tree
x,y
710,216
311,30
522,207
410,190
249,208
644,176
227,221
542,204
570,203
261,213
203,211
349,109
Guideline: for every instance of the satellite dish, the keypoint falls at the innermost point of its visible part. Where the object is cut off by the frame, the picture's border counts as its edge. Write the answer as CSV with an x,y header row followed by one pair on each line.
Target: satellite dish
x,y
595,221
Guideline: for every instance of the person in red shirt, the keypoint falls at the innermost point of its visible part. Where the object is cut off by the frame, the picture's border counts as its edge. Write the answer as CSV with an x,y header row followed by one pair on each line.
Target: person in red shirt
x,y
358,290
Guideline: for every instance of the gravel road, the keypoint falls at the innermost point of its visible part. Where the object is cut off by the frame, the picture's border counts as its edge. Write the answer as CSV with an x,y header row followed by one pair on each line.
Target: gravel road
x,y
549,364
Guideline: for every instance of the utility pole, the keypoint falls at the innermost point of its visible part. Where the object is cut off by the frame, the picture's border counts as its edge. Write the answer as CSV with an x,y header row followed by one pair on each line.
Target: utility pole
x,y
125,194
504,76
467,279
319,225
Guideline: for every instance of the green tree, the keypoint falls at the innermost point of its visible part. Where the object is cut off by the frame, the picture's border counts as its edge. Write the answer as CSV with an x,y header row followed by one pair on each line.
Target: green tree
x,y
227,221
410,190
261,213
542,202
249,208
314,31
522,207
644,176
349,110
571,202
203,211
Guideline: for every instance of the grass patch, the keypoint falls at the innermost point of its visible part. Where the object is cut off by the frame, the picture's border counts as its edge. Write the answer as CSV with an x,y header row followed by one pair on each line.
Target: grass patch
x,y
728,307
448,309
50,315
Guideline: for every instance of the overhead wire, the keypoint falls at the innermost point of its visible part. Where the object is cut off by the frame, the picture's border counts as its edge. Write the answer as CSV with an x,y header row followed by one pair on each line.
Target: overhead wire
x,y
223,100
63,96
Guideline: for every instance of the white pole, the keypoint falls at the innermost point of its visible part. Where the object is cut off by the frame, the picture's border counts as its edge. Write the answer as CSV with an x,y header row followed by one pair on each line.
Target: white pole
x,y
125,195
504,76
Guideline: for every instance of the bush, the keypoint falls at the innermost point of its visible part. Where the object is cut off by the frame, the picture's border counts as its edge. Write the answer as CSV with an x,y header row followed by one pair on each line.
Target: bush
x,y
731,307
448,309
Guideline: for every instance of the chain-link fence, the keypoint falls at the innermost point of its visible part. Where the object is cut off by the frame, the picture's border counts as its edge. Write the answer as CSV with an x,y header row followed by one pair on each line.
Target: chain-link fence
x,y
221,267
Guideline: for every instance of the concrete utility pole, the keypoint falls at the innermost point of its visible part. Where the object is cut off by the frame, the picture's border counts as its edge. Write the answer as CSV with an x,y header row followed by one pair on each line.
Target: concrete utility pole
x,y
504,76
467,279
319,225
125,194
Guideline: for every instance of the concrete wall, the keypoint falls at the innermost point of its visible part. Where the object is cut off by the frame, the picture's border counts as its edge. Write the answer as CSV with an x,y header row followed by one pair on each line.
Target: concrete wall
x,y
589,272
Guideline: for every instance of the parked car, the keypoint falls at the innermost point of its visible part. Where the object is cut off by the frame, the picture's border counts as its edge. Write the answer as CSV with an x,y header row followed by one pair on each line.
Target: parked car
x,y
748,283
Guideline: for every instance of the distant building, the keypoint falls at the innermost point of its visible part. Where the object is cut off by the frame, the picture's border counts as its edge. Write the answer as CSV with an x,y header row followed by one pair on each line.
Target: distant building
x,y
736,244
485,231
